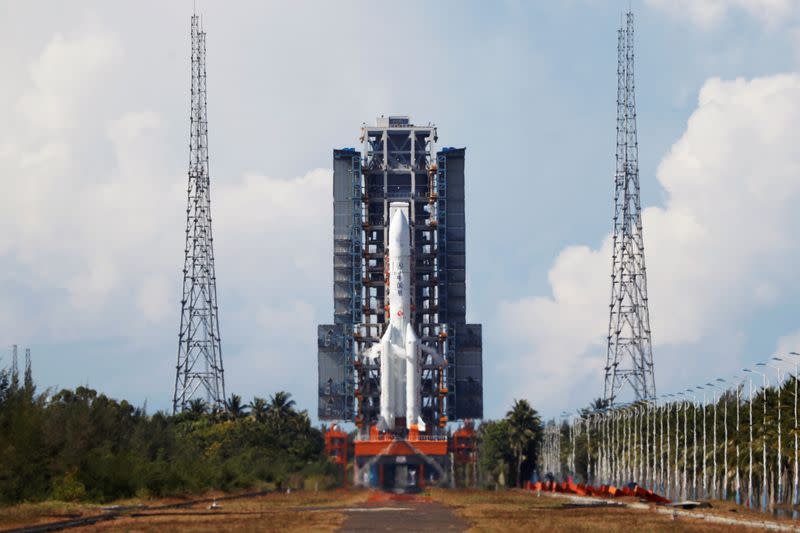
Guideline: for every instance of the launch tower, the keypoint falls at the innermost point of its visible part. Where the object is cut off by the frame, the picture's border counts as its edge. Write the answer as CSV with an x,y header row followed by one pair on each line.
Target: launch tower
x,y
399,166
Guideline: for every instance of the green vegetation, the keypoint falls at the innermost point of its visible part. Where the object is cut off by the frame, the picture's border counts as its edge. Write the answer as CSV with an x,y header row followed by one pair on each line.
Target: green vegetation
x,y
508,449
81,445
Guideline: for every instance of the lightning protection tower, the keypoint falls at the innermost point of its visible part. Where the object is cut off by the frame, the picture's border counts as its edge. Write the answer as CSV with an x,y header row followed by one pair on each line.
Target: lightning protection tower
x,y
630,354
199,372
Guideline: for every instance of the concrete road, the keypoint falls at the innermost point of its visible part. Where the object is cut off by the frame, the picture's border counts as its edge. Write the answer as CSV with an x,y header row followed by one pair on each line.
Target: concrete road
x,y
411,515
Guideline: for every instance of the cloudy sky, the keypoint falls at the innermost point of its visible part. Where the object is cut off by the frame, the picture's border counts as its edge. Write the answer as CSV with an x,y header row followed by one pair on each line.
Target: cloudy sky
x,y
94,150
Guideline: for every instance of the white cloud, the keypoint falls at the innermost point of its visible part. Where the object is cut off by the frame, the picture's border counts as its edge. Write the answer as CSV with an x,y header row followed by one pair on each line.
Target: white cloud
x,y
154,298
551,336
721,247
62,74
283,225
708,13
87,233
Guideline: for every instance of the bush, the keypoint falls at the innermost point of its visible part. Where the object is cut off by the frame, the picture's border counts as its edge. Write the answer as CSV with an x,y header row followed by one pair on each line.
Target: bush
x,y
319,482
68,488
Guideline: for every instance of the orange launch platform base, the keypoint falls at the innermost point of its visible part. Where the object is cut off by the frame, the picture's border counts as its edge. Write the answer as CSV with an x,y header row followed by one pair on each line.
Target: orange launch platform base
x,y
392,462
391,445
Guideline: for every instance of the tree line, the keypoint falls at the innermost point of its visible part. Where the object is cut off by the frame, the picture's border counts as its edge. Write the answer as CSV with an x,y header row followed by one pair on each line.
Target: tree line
x,y
79,444
509,448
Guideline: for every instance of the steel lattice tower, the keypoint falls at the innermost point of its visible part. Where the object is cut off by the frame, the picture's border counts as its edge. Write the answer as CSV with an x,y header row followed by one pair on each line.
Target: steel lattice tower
x,y
630,354
199,372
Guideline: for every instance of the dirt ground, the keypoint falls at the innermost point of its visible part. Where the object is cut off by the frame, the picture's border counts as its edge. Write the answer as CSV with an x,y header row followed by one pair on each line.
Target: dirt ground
x,y
298,511
30,514
524,511
359,511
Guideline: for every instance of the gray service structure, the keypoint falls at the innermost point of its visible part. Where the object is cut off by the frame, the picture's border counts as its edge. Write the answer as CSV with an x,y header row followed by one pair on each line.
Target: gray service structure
x,y
399,163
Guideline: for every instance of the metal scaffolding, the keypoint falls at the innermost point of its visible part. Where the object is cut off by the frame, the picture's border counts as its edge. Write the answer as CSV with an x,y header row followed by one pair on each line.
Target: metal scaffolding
x,y
199,372
629,355
399,163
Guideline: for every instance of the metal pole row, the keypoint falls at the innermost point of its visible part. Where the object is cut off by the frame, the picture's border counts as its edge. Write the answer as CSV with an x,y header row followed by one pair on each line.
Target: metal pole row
x,y
654,444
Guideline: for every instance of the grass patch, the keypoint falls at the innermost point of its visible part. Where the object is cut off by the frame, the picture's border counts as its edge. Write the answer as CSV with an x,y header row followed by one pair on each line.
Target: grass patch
x,y
43,512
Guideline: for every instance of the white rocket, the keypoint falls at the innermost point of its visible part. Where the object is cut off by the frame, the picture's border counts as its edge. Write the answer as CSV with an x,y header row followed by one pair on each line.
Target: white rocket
x,y
400,350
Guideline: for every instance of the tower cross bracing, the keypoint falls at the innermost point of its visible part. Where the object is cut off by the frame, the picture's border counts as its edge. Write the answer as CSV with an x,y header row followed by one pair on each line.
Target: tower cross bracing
x,y
199,371
629,355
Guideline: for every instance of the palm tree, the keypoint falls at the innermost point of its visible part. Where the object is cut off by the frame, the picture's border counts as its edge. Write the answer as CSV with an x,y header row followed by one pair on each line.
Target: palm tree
x,y
197,408
259,408
524,429
234,406
301,422
280,405
599,404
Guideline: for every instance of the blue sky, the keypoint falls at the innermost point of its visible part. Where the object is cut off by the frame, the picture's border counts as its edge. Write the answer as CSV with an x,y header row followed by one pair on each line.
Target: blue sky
x,y
93,156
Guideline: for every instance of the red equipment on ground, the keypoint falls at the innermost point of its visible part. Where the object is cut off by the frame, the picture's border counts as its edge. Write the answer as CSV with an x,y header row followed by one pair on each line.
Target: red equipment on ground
x,y
607,491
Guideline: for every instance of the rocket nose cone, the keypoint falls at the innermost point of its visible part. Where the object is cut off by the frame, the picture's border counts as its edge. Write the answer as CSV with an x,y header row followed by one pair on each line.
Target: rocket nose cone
x,y
398,226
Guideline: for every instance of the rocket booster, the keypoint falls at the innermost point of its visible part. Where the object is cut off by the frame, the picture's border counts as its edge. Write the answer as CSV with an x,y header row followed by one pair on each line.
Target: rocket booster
x,y
400,350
